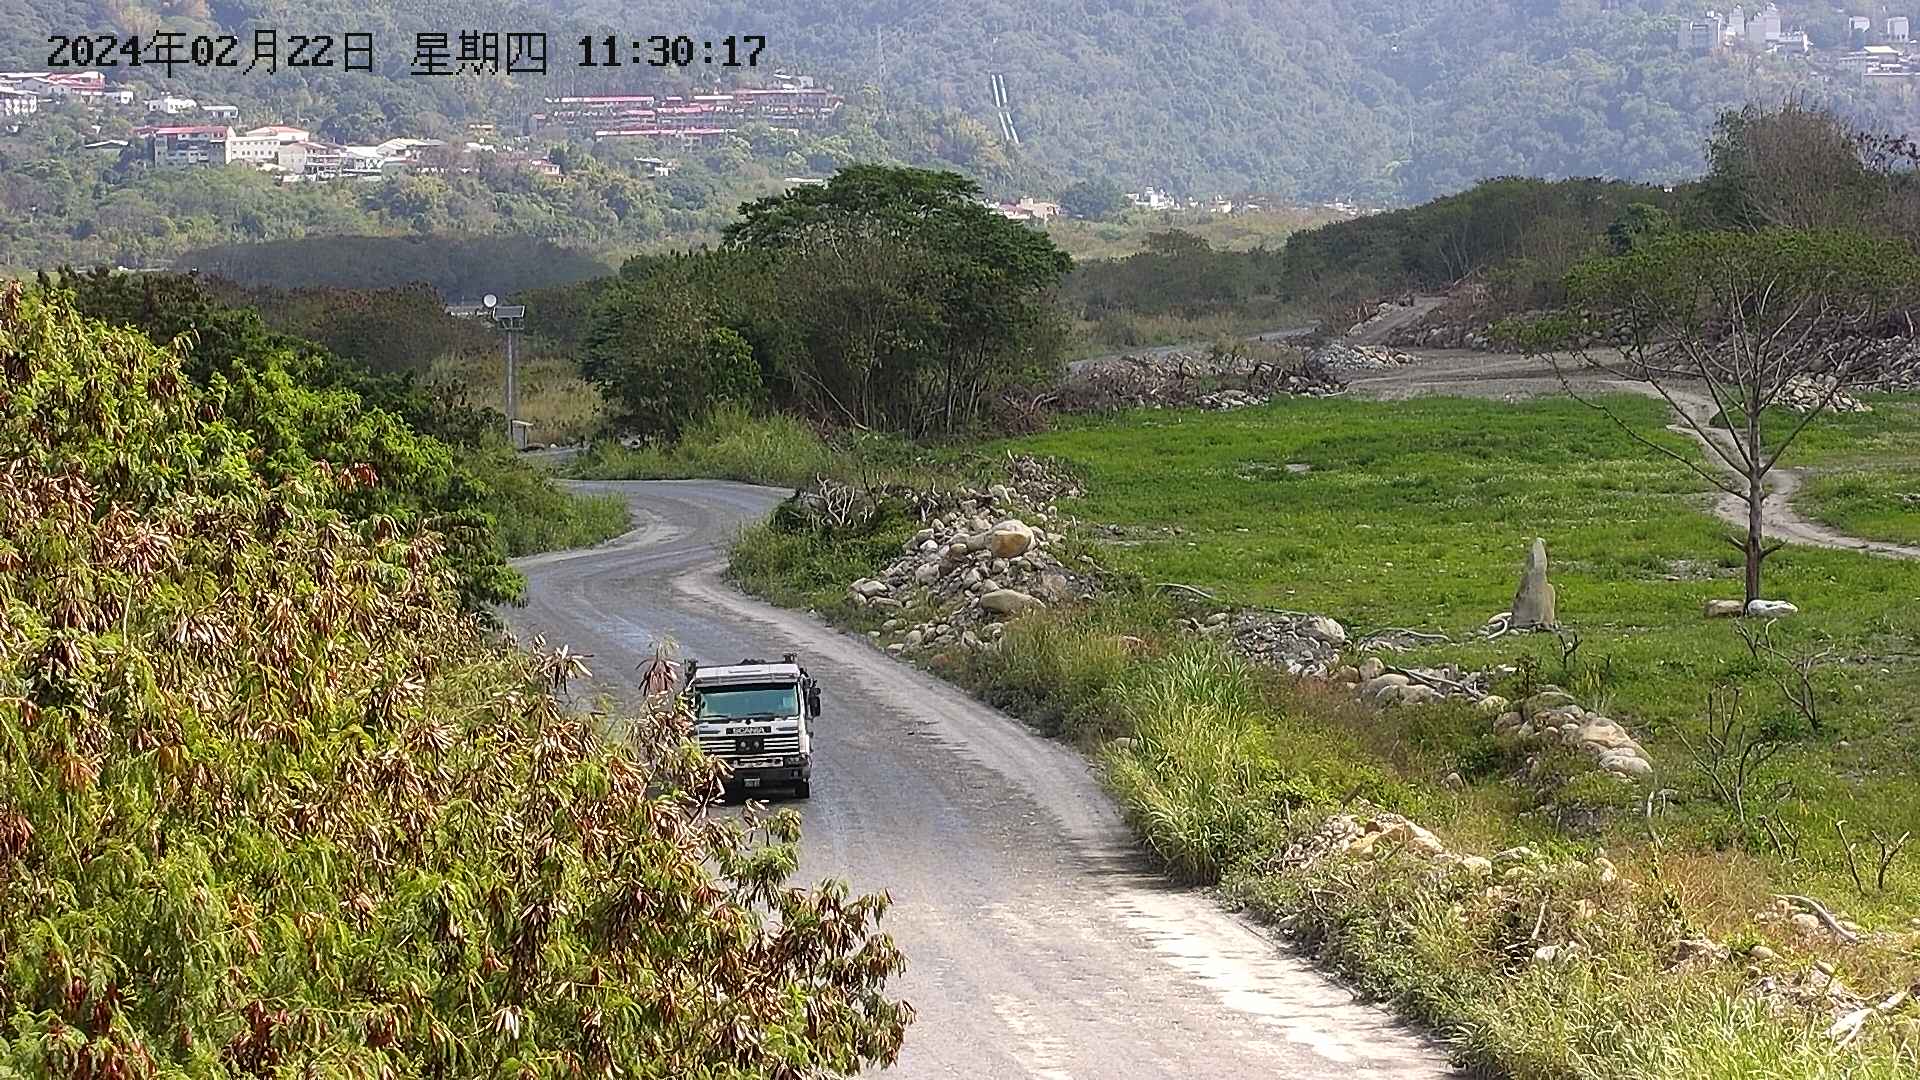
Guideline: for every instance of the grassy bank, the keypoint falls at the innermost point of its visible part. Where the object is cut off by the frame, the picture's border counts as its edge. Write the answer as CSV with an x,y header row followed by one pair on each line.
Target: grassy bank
x,y
1416,514
553,398
531,515
779,451
1228,232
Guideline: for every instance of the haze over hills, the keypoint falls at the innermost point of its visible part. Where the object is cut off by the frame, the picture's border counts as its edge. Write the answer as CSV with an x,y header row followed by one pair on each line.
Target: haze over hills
x,y
1296,101
1364,99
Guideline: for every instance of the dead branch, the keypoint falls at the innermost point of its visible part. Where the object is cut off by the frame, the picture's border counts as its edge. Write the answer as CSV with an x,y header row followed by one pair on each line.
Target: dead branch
x,y
1730,751
1792,674
1416,634
1846,846
1820,912
1174,586
1888,852
1433,681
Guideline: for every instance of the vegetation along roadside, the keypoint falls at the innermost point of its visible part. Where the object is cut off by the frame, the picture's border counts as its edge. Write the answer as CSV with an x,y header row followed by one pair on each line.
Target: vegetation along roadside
x,y
273,799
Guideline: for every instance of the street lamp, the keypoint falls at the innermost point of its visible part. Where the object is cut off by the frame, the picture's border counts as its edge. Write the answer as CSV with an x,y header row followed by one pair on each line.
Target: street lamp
x,y
508,319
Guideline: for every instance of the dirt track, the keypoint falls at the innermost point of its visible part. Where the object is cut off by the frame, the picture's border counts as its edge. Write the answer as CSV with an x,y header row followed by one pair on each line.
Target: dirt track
x,y
1514,378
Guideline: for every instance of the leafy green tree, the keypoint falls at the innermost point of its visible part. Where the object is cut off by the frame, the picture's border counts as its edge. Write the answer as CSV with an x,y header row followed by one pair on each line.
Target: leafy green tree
x,y
1094,200
669,339
919,301
1635,225
270,802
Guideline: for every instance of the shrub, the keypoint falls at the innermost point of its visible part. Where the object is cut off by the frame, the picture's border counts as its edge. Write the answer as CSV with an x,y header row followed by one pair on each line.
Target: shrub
x,y
271,804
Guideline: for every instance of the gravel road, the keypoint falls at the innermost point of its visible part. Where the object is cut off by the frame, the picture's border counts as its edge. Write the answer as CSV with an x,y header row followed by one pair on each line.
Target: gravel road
x,y
1040,944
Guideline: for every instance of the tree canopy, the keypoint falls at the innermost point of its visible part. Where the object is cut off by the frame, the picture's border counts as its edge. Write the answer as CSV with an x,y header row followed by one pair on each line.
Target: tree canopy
x,y
888,297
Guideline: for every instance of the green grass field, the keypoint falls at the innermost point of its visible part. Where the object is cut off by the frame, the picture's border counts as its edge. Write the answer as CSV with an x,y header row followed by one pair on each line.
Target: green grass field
x,y
1865,476
1418,514
1226,232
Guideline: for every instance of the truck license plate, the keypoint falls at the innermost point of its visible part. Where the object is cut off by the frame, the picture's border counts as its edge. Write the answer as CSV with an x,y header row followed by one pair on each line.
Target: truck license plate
x,y
759,762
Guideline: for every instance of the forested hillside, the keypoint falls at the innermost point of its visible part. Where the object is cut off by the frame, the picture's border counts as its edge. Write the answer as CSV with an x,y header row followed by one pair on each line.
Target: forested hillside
x,y
1305,98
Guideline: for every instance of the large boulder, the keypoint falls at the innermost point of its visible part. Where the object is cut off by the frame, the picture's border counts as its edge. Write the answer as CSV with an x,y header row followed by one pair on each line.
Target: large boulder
x,y
870,588
1533,602
1724,609
1009,539
1770,609
1321,628
1008,602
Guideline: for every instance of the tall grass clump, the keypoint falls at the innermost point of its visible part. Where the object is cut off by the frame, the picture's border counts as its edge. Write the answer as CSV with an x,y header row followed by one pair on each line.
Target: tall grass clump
x,y
1064,675
1196,779
531,515
731,443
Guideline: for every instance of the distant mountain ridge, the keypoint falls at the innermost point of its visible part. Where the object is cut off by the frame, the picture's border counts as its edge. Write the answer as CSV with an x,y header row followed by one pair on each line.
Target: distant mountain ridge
x,y
1379,101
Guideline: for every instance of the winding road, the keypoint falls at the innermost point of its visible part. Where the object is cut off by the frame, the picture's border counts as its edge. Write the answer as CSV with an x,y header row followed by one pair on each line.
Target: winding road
x,y
1040,943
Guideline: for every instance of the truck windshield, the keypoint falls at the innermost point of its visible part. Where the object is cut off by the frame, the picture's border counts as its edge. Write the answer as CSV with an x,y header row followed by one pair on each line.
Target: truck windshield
x,y
738,701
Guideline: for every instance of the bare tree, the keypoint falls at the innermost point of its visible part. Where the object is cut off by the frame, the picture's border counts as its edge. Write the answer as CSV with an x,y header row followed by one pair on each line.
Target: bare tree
x,y
1731,751
1724,325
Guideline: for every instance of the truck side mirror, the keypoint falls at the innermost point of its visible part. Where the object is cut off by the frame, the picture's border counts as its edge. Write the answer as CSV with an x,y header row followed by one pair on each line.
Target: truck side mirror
x,y
813,700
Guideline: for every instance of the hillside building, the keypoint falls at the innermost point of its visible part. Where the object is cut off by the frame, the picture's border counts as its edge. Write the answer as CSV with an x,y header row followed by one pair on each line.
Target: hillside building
x,y
1703,35
18,102
193,144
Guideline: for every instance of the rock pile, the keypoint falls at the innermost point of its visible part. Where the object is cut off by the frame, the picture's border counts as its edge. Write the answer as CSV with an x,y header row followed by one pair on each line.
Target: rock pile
x,y
1311,646
1373,683
1805,393
1341,356
1298,644
1552,716
968,570
1218,380
1445,334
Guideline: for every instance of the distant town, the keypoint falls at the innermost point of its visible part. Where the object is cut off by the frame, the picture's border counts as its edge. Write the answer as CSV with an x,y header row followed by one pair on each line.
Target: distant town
x,y
1877,51
187,132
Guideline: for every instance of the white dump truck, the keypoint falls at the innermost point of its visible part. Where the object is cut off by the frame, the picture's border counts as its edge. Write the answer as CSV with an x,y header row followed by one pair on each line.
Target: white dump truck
x,y
758,718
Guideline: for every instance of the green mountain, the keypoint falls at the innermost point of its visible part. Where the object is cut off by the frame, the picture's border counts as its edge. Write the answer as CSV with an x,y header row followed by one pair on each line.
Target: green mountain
x,y
1303,99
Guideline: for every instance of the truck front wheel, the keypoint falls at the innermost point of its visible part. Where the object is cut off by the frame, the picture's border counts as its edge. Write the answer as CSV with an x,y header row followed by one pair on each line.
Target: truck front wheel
x,y
803,789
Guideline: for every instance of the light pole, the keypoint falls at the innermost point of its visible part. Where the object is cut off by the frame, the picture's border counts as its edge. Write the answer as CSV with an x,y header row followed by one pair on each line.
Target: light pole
x,y
508,319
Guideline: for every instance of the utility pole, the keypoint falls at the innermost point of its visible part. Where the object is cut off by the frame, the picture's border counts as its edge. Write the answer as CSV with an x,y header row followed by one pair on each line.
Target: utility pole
x,y
508,319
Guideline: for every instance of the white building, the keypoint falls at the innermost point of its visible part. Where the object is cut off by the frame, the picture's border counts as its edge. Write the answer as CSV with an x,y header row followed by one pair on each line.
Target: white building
x,y
172,106
225,114
18,102
281,133
1861,24
1737,22
1152,199
406,148
307,157
260,147
1898,29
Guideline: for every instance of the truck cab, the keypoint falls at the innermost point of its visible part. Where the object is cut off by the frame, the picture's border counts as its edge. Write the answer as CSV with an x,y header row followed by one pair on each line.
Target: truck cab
x,y
758,718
